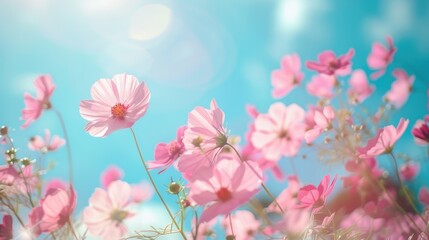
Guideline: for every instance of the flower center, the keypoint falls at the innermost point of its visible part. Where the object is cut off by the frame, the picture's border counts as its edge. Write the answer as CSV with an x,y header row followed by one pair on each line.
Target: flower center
x,y
118,215
284,134
223,194
119,110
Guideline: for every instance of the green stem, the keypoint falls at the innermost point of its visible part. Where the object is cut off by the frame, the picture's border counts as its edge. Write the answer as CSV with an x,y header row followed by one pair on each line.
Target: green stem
x,y
154,185
72,229
69,154
230,225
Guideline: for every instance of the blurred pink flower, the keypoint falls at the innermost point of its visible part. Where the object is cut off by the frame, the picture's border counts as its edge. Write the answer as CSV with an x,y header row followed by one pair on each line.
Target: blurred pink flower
x,y
118,103
244,224
363,174
287,77
323,120
384,141
280,131
321,86
107,211
35,105
55,209
409,171
111,174
6,231
359,87
361,222
295,222
141,192
329,64
55,184
380,57
288,198
204,137
314,197
421,131
400,89
231,185
424,196
167,153
205,229
47,144
22,181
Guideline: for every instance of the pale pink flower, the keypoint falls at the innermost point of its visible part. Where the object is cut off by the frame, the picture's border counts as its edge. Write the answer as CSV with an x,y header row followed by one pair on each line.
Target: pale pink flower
x,y
55,209
110,175
35,105
34,219
22,181
361,222
205,229
421,131
363,174
6,231
47,144
400,89
314,197
204,138
409,171
295,222
384,141
280,131
288,198
329,64
380,57
321,86
118,103
231,185
309,116
244,224
287,77
424,195
55,184
359,87
167,153
323,120
141,192
107,210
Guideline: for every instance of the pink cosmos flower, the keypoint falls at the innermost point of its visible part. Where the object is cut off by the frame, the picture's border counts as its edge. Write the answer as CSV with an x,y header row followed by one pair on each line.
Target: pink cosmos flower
x,y
287,77
409,170
204,137
6,231
424,195
321,86
361,222
118,103
421,131
384,141
400,89
110,175
244,224
363,174
107,211
359,87
288,198
55,210
295,222
37,143
167,153
141,192
55,184
323,122
232,184
280,131
380,57
329,64
314,197
205,229
21,182
35,105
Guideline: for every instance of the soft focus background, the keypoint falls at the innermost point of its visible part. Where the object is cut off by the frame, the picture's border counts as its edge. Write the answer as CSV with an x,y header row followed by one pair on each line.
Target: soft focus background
x,y
188,53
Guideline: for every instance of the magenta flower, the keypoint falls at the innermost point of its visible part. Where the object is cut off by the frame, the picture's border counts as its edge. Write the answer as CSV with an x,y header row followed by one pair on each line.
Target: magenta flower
x,y
167,153
421,131
117,103
204,137
244,224
55,184
47,144
6,231
359,87
409,171
323,120
54,211
380,57
287,77
314,197
384,141
107,211
35,105
329,64
280,131
321,86
110,175
231,185
400,89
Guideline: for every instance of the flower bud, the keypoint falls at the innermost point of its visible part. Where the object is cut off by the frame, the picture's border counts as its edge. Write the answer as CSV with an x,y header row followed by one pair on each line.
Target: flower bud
x,y
174,188
3,130
185,203
230,237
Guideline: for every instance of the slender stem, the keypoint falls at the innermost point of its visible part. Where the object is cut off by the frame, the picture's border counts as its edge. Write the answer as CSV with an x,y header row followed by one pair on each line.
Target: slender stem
x,y
8,205
197,226
72,229
182,213
259,176
230,225
154,185
69,154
